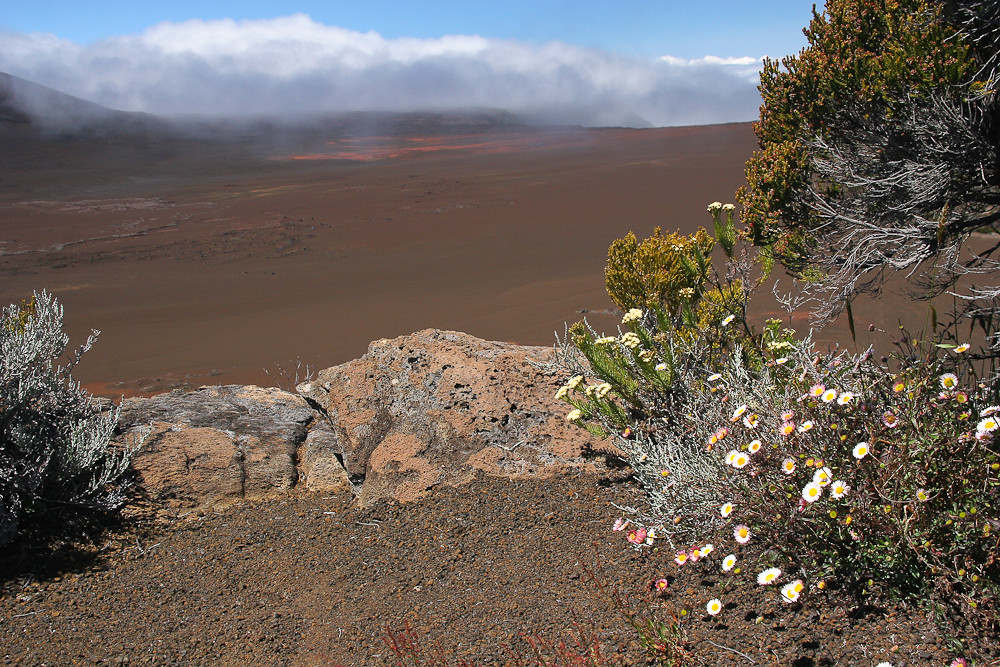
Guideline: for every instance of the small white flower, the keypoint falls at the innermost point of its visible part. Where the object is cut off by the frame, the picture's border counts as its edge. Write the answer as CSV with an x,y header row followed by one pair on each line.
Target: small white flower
x,y
781,361
729,562
790,592
805,426
811,492
714,376
705,550
754,446
860,450
829,396
740,460
726,510
727,319
845,398
964,347
738,413
949,381
839,489
988,425
884,664
788,466
661,366
823,476
987,411
768,576
714,606
741,534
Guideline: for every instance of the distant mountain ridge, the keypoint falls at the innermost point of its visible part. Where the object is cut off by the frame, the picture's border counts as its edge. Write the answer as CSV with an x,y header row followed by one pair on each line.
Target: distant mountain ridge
x,y
28,105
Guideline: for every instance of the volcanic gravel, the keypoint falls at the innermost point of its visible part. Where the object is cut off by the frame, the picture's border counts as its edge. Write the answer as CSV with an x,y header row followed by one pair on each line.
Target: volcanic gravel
x,y
470,572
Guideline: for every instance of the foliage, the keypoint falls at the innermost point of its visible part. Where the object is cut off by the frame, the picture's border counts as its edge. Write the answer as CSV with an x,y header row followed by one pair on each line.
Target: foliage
x,y
640,275
879,476
879,146
55,449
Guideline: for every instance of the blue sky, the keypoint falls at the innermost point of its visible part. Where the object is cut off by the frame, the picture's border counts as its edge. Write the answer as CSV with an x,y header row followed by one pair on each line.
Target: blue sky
x,y
594,61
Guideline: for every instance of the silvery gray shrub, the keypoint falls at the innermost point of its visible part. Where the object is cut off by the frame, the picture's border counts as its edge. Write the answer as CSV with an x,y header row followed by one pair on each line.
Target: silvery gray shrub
x,y
55,439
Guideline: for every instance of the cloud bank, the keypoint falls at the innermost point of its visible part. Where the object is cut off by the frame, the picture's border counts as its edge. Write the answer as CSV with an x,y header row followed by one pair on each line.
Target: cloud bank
x,y
294,65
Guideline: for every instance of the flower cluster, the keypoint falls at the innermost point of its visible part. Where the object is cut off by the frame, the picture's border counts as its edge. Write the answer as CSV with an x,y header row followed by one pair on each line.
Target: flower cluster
x,y
882,474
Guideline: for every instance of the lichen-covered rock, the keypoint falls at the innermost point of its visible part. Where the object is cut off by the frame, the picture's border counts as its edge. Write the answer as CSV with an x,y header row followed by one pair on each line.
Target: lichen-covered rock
x,y
435,407
218,444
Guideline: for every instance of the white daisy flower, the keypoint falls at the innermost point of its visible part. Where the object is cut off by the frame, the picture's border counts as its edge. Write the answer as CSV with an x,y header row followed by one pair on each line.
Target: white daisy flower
x,y
768,576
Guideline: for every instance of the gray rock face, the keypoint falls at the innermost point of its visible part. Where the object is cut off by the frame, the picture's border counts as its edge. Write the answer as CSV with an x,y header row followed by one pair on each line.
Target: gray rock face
x,y
218,444
435,407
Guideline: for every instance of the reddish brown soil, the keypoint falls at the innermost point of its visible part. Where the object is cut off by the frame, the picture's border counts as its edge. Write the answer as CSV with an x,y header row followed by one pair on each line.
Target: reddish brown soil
x,y
205,263
311,580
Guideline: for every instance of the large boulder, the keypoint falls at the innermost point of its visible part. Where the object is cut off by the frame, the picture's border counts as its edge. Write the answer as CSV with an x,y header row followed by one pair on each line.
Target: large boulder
x,y
219,444
436,407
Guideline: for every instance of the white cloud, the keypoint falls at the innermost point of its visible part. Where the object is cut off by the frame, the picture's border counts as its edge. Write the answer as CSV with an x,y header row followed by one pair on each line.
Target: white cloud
x,y
294,64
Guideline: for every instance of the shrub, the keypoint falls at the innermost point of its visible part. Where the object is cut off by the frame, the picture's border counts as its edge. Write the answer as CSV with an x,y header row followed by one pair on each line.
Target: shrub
x,y
880,475
55,442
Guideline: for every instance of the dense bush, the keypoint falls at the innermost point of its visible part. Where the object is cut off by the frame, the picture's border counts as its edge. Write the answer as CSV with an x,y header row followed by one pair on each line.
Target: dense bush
x,y
55,441
880,475
879,147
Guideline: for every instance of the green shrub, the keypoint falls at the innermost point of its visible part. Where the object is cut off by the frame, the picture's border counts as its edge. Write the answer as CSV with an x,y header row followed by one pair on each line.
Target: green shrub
x,y
878,476
55,442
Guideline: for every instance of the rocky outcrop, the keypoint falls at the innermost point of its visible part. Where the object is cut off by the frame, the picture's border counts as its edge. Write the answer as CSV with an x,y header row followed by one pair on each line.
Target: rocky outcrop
x,y
219,444
436,407
429,409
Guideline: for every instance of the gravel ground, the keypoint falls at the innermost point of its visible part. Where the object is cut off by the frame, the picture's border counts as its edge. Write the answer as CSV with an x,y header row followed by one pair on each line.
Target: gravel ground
x,y
473,571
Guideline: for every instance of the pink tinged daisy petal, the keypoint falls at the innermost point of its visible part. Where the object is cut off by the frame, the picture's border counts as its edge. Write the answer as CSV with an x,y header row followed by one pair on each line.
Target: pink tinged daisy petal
x,y
817,390
890,420
661,585
791,591
812,492
839,489
988,425
750,421
620,524
741,534
787,428
768,576
899,386
788,466
740,460
860,450
714,606
637,536
729,562
680,557
991,410
787,416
